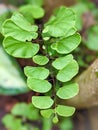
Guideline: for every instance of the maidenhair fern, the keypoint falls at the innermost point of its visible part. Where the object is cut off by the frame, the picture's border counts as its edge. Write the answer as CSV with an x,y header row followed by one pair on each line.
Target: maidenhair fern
x,y
49,49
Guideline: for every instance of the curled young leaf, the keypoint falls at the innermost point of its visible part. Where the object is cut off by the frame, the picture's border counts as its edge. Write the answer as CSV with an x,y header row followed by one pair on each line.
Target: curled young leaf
x,y
55,119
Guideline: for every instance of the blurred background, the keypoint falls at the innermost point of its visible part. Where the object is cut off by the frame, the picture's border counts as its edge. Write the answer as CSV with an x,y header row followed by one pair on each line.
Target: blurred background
x,y
14,94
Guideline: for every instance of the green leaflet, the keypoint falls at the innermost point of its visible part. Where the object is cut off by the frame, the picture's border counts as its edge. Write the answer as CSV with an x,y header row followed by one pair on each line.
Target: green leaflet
x,y
32,12
47,113
40,60
8,28
20,49
16,44
26,14
92,38
36,76
68,91
66,124
36,72
62,21
21,22
25,110
67,45
65,111
61,62
68,72
13,123
42,102
8,119
38,85
20,26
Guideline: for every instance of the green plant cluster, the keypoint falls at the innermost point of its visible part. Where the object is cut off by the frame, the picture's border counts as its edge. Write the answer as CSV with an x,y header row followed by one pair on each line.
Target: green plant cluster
x,y
20,117
89,30
49,47
86,53
25,116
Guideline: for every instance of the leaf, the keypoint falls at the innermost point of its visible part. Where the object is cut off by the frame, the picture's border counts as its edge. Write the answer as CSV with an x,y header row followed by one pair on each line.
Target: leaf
x,y
26,14
68,72
61,22
19,109
12,80
47,113
7,120
80,8
92,39
25,110
42,102
66,124
67,45
40,60
38,85
36,72
33,11
68,91
61,62
21,22
20,49
9,26
12,123
65,111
